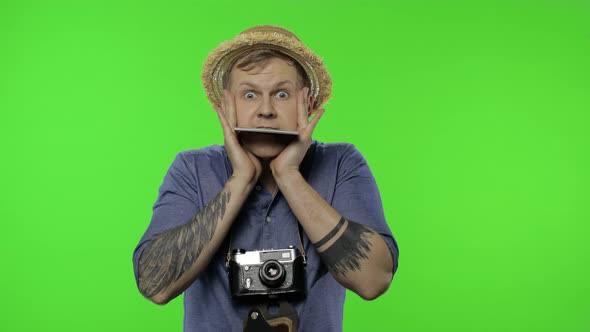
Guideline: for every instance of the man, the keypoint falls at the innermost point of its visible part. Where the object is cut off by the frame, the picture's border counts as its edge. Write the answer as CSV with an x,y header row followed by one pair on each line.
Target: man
x,y
258,190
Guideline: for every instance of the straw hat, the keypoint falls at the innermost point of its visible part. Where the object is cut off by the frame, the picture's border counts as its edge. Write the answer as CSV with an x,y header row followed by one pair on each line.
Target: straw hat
x,y
265,37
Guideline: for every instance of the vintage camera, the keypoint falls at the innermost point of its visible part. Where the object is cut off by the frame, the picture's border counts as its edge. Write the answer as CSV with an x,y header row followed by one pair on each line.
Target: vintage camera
x,y
269,273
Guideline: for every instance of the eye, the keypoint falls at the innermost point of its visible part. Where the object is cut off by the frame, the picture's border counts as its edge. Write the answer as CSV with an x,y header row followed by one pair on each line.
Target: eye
x,y
249,95
283,94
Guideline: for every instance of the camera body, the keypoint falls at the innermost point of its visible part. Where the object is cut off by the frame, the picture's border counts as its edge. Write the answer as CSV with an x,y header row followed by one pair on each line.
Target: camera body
x,y
267,272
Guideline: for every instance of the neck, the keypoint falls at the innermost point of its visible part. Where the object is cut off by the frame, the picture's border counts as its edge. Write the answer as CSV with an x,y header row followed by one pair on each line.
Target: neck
x,y
266,178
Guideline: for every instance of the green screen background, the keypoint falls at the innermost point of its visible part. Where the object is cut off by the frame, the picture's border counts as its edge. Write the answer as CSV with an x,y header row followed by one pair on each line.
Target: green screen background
x,y
473,116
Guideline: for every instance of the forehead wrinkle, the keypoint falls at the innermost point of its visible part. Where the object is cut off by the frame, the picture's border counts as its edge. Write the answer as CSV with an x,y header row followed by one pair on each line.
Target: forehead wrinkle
x,y
278,84
265,68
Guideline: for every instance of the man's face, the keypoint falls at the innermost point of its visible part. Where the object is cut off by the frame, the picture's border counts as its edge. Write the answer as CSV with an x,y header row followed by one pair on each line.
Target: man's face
x,y
266,97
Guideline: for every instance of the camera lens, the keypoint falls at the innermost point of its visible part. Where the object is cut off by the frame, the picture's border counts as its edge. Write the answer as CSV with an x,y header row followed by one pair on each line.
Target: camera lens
x,y
272,273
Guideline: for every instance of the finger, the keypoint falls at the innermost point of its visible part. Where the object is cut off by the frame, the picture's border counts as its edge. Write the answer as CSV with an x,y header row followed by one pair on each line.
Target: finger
x,y
231,108
310,106
302,119
224,124
226,106
231,141
223,103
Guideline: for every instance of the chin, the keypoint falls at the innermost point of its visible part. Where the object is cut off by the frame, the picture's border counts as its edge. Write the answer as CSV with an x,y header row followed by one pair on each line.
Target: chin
x,y
263,146
265,151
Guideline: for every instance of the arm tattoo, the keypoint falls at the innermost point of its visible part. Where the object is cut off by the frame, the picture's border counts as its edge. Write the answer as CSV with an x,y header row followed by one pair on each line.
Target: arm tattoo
x,y
345,253
173,252
330,235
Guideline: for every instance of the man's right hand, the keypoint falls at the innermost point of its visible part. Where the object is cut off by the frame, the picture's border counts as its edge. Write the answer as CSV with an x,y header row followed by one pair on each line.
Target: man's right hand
x,y
246,167
175,258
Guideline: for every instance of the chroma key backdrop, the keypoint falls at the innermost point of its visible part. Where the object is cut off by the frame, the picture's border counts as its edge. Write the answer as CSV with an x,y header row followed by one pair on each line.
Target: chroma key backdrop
x,y
473,116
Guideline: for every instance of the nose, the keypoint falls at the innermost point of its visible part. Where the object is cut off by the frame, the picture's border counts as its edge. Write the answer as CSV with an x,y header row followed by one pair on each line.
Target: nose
x,y
266,109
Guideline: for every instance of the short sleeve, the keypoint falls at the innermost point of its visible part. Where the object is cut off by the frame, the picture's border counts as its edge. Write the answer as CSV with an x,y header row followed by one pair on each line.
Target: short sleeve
x,y
357,197
178,201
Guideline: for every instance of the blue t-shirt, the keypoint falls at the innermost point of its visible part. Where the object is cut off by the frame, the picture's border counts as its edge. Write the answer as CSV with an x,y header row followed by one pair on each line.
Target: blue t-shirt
x,y
338,172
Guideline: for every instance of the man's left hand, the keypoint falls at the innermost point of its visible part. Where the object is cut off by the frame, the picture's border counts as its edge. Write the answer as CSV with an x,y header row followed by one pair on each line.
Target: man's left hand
x,y
292,156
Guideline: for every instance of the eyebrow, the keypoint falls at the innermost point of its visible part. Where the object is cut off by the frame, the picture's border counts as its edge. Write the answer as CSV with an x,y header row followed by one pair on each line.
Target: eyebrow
x,y
276,85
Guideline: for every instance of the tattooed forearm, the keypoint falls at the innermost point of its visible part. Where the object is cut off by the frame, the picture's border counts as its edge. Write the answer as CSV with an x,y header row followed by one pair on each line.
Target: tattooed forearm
x,y
346,253
330,235
173,252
